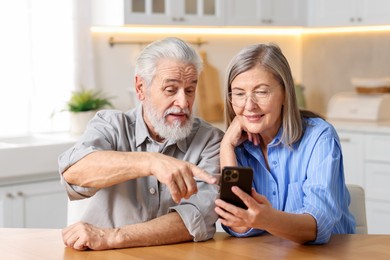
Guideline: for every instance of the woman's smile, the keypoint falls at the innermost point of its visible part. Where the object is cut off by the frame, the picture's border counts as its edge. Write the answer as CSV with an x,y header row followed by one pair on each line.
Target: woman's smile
x,y
254,118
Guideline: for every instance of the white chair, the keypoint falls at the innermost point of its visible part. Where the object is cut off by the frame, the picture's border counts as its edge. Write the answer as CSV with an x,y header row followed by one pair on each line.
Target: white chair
x,y
358,207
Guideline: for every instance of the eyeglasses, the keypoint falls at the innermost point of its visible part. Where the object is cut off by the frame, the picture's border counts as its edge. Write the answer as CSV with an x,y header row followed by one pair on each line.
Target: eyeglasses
x,y
239,98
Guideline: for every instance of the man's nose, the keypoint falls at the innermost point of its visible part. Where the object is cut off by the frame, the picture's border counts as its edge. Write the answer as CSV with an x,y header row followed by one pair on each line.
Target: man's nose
x,y
181,99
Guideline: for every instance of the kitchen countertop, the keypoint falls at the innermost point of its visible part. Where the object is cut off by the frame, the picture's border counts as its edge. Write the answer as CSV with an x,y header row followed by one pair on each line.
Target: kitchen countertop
x,y
31,157
376,127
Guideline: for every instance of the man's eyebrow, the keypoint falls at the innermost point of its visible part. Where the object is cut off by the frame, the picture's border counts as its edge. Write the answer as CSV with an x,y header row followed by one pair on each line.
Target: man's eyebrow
x,y
172,80
179,81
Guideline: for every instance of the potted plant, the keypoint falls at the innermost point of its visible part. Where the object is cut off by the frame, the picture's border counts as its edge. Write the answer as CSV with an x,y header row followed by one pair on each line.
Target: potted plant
x,y
83,105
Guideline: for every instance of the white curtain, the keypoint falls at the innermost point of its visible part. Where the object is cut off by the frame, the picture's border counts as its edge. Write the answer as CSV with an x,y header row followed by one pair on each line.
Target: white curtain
x,y
84,68
45,53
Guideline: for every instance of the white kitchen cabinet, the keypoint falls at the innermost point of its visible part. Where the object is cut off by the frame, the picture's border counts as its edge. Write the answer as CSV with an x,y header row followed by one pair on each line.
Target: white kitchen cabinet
x,y
348,12
266,12
158,12
378,214
366,153
377,179
352,148
40,204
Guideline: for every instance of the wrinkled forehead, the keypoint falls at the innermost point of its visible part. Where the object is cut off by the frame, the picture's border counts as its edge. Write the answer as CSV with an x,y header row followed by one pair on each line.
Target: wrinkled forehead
x,y
176,71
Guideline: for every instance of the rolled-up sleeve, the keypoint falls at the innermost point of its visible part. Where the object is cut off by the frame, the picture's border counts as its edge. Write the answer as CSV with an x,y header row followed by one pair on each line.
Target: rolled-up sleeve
x,y
198,212
325,195
95,138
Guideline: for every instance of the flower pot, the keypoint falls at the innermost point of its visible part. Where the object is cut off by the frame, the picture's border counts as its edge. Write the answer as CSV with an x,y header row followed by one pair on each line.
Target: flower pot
x,y
79,121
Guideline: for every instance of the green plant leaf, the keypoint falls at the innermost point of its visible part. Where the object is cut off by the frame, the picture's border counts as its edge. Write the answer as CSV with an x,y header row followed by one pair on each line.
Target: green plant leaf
x,y
86,100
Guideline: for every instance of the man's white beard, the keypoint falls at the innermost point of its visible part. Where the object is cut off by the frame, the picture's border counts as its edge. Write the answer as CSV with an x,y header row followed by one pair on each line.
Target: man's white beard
x,y
174,132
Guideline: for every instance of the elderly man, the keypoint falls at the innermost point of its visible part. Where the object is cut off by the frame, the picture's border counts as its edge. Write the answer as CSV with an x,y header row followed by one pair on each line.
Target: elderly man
x,y
148,172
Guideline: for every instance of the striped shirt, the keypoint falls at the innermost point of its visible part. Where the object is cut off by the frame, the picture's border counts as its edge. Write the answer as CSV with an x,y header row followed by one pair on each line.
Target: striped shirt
x,y
309,178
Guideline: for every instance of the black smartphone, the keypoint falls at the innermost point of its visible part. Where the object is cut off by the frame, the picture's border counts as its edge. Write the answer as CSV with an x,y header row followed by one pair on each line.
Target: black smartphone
x,y
235,176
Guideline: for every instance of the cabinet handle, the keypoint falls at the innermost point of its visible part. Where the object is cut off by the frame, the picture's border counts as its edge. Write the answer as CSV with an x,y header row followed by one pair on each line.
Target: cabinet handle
x,y
20,194
178,19
352,19
359,19
9,196
345,140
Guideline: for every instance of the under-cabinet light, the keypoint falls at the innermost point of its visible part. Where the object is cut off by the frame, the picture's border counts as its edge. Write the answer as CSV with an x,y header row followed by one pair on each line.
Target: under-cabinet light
x,y
146,30
350,29
169,30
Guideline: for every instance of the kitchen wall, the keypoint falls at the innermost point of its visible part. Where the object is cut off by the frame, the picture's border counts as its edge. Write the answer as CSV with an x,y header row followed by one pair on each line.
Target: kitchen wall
x,y
115,65
329,61
323,63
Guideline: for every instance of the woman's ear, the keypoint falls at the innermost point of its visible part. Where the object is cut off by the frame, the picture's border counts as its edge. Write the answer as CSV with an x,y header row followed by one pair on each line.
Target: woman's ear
x,y
140,88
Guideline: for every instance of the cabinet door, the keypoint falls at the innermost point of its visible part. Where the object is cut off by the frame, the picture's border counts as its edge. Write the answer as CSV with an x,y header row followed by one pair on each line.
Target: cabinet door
x,y
147,12
377,147
285,12
7,211
266,12
352,148
33,205
174,12
197,12
373,12
44,204
377,177
378,215
377,180
332,12
243,12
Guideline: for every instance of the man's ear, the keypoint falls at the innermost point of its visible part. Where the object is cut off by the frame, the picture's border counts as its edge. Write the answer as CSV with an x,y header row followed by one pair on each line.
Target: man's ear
x,y
140,87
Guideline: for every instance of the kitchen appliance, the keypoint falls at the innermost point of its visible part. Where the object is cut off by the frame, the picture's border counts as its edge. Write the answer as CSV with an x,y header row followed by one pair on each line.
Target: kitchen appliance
x,y
355,106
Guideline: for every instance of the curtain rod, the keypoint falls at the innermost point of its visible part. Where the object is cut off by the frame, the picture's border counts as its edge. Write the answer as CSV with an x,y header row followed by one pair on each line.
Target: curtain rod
x,y
112,42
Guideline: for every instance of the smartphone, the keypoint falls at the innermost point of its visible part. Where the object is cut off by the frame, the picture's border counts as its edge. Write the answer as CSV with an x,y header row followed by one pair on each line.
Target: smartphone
x,y
235,176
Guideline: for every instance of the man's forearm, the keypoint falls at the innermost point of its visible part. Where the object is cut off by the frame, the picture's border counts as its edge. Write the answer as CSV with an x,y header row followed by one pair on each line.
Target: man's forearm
x,y
102,169
167,229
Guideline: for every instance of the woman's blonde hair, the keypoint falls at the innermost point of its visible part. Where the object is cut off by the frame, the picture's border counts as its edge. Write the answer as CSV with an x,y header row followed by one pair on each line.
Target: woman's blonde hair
x,y
270,58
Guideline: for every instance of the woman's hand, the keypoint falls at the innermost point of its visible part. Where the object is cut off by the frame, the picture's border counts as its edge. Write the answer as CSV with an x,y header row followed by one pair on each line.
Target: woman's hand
x,y
258,215
236,134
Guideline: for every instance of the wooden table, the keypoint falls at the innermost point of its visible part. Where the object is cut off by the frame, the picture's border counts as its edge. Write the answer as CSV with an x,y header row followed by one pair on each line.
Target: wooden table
x,y
47,244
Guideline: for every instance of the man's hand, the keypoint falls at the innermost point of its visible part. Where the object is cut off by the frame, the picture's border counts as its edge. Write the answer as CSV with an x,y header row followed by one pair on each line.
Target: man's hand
x,y
178,175
82,236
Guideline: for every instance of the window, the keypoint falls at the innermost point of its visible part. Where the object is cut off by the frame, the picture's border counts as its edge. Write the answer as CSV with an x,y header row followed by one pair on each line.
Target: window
x,y
36,65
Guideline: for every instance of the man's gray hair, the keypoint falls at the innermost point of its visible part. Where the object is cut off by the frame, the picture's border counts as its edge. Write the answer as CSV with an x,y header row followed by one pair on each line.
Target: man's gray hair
x,y
170,48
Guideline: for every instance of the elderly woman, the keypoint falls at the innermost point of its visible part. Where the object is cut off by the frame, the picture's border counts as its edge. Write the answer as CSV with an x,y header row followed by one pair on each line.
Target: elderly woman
x,y
299,190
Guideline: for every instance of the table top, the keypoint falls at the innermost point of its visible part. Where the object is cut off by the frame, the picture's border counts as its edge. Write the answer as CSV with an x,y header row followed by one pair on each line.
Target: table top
x,y
34,244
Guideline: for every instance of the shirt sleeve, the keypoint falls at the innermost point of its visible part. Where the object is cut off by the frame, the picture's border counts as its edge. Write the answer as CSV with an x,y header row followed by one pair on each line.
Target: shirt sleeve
x,y
198,212
96,137
250,233
324,188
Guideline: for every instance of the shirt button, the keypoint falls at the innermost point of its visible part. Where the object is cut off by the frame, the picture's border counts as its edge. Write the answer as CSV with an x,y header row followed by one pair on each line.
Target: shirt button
x,y
152,191
274,193
275,162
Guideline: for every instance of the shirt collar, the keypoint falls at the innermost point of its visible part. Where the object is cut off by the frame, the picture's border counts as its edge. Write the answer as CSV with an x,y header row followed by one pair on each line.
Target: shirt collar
x,y
142,132
277,140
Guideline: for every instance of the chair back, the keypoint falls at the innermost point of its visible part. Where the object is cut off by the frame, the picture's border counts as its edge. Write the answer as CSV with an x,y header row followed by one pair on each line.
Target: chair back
x,y
358,207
